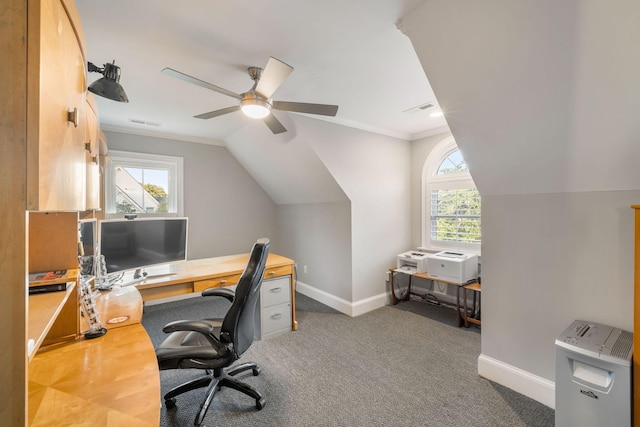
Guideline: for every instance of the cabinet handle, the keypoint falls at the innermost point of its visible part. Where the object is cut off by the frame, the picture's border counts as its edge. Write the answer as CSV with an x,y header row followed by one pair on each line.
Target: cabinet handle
x,y
72,116
223,282
87,145
95,159
271,273
276,316
278,289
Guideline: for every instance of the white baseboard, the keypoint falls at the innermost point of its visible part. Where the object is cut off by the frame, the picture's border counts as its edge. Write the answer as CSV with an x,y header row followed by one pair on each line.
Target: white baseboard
x,y
523,382
352,309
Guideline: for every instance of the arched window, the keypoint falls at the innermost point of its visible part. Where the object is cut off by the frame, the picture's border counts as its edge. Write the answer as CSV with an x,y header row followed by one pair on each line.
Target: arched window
x,y
451,202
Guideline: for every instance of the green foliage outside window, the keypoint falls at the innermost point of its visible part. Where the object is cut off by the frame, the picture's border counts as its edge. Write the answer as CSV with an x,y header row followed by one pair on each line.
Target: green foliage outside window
x,y
455,215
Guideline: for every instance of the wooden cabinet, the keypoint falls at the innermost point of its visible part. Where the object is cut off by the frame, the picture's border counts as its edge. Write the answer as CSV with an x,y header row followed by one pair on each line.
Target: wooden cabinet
x,y
53,245
92,154
56,110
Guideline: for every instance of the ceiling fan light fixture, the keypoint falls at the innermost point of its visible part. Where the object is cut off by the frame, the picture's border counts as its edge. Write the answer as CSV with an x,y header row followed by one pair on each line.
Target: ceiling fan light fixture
x,y
254,106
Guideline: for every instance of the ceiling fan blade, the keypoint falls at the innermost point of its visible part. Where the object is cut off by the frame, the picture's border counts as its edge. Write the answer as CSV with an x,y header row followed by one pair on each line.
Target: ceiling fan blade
x,y
187,78
302,107
272,77
274,124
217,113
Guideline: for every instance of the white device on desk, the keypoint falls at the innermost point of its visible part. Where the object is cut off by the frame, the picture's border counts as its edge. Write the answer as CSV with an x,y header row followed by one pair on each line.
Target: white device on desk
x,y
456,267
412,262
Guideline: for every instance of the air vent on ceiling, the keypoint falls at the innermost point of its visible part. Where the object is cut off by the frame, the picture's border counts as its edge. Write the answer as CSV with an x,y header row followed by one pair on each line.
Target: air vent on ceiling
x,y
145,122
421,107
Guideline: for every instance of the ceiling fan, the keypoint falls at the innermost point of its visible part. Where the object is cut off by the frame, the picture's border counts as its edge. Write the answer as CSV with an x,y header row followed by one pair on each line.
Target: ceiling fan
x,y
257,102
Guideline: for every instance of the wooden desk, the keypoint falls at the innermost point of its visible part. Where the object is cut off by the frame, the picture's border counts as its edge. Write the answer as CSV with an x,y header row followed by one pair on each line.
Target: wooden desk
x,y
200,274
112,380
425,275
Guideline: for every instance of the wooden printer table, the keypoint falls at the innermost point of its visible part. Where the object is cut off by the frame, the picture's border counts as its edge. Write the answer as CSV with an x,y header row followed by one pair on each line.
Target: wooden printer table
x,y
395,298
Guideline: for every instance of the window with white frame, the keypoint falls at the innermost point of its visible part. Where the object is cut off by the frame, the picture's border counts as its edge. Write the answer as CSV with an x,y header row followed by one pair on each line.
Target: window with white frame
x,y
144,184
451,202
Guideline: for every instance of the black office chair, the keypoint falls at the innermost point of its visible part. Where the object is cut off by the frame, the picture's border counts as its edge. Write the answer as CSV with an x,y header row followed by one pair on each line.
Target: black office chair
x,y
215,344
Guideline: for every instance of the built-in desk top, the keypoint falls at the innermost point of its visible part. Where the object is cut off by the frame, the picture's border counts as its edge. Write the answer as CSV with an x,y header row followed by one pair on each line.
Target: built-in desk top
x,y
112,380
208,268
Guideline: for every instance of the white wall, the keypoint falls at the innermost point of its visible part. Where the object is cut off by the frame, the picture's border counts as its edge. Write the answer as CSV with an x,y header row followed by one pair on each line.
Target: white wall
x,y
227,208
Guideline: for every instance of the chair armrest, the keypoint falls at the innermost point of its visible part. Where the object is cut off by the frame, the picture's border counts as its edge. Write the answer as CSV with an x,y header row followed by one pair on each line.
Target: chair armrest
x,y
227,293
199,326
188,325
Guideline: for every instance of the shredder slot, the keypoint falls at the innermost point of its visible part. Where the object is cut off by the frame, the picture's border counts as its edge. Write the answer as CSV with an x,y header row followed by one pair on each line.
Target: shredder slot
x,y
591,375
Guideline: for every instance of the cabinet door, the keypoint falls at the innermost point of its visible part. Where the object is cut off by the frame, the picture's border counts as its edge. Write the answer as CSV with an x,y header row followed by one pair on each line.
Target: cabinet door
x,y
91,154
61,161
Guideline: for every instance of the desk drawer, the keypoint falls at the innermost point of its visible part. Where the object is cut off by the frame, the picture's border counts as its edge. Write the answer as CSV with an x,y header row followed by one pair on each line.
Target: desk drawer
x,y
278,271
218,282
275,291
275,319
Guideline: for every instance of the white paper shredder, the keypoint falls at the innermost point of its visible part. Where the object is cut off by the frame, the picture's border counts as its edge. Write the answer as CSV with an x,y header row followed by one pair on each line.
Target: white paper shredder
x,y
593,376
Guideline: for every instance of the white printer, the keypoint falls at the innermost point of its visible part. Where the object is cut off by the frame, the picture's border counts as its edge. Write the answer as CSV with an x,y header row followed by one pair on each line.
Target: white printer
x,y
412,262
455,267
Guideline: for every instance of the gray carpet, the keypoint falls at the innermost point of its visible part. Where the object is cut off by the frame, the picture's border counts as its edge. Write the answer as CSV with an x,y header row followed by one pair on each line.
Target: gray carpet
x,y
403,365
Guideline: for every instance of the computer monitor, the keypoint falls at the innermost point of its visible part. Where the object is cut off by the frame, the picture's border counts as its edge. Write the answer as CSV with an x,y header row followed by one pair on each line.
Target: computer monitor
x,y
128,244
88,238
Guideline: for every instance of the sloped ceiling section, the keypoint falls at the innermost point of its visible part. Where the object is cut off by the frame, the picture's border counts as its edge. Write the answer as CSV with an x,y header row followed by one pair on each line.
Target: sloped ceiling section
x,y
285,165
542,96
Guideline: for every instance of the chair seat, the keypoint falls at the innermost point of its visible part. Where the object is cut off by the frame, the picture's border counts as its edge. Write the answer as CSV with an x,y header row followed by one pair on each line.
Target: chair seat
x,y
186,349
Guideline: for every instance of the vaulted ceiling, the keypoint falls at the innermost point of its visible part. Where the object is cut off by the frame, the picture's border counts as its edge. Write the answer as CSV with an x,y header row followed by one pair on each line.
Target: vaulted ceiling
x,y
344,52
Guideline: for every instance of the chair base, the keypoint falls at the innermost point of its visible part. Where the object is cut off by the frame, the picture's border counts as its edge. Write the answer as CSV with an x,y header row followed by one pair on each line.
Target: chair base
x,y
216,379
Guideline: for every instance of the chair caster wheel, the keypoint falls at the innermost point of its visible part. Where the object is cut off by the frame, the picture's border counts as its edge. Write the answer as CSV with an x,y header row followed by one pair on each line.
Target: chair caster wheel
x,y
260,403
170,403
256,371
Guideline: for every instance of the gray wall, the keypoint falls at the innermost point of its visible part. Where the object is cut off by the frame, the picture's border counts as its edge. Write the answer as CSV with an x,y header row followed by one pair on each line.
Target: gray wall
x,y
555,169
420,150
227,208
373,171
318,236
356,187
552,259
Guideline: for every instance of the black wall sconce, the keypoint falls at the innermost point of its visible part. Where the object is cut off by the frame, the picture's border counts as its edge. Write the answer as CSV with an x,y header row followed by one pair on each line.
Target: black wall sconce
x,y
108,86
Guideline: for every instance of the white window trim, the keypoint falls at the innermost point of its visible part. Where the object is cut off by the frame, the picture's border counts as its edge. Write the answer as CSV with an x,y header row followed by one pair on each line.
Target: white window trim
x,y
144,160
430,181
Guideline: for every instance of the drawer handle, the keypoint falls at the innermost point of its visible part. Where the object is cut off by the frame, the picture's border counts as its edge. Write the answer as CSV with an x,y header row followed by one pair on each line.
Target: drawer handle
x,y
271,273
278,289
276,316
223,282
72,116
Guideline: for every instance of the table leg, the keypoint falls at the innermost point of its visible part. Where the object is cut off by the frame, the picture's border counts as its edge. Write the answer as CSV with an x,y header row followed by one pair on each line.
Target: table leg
x,y
459,318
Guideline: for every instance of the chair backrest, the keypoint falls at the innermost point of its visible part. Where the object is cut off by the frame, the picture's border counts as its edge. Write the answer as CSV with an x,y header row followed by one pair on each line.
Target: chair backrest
x,y
238,324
